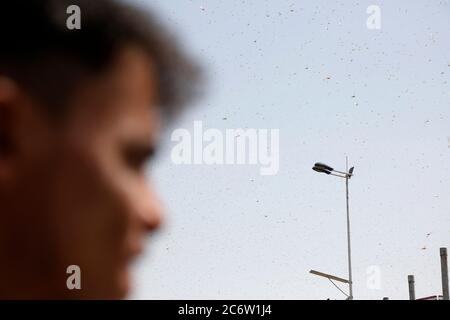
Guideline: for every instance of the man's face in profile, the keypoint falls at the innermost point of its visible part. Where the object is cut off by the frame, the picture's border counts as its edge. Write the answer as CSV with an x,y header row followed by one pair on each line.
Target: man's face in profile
x,y
74,191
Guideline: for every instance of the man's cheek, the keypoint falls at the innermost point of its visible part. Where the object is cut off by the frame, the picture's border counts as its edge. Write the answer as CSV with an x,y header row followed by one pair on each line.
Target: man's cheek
x,y
87,194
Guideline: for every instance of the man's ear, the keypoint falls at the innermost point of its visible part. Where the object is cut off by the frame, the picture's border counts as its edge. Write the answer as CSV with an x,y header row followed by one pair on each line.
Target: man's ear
x,y
8,93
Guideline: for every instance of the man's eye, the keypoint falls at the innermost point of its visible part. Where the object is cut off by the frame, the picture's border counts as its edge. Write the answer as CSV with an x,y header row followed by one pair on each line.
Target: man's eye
x,y
136,158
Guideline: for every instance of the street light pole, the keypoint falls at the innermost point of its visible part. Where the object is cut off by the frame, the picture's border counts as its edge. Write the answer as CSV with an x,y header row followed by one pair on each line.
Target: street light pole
x,y
350,279
323,168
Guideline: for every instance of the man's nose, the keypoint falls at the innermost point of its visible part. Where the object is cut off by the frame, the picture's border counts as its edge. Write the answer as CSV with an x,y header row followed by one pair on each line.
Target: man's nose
x,y
152,211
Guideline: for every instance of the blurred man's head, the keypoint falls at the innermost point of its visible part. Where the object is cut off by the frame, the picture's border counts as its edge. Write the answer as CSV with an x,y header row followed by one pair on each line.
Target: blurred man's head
x,y
79,117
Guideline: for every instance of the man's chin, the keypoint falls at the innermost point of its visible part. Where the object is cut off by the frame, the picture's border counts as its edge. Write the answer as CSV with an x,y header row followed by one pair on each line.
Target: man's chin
x,y
123,283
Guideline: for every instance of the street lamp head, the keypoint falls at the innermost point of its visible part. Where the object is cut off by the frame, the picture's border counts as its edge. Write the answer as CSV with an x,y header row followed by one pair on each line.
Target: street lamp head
x,y
323,166
321,170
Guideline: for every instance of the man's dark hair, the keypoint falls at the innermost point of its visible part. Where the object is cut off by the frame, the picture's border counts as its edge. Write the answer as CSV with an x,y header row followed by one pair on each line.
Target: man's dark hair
x,y
48,60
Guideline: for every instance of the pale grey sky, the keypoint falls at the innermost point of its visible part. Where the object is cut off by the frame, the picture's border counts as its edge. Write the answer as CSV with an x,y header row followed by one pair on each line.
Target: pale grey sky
x,y
334,88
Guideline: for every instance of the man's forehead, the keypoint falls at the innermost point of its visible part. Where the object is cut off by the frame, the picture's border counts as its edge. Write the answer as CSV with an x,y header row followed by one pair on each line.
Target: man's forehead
x,y
122,100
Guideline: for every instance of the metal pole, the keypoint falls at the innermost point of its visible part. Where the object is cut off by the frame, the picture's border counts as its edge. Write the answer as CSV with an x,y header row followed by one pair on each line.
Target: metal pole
x,y
412,291
348,240
444,271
